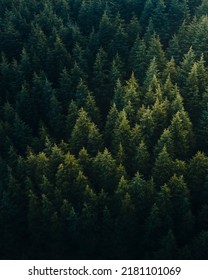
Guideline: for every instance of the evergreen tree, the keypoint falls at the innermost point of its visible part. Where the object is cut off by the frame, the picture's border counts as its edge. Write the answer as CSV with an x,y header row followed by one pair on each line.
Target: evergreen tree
x,y
103,129
152,72
160,21
132,93
197,172
191,94
117,70
142,159
111,124
163,167
137,61
72,116
182,216
118,98
100,80
181,130
121,133
85,134
56,118
105,30
104,167
65,93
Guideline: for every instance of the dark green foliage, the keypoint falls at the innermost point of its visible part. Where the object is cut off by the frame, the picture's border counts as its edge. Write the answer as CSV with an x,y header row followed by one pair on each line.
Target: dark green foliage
x,y
100,80
85,134
137,60
103,129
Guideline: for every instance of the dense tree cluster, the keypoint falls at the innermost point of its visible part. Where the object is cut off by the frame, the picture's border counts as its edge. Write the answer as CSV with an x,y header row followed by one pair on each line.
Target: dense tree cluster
x,y
103,129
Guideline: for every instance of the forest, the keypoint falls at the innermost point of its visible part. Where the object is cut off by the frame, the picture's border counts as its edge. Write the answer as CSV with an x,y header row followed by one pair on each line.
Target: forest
x,y
103,129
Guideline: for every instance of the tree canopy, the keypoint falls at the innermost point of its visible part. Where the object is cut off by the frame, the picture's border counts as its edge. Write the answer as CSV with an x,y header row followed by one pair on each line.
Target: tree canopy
x,y
103,129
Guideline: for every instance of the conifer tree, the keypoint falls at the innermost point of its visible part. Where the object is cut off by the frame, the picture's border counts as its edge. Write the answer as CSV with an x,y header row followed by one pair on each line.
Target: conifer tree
x,y
181,130
197,172
65,93
137,60
100,79
160,20
142,159
104,167
181,215
117,70
163,167
111,124
132,93
85,134
122,133
152,72
56,118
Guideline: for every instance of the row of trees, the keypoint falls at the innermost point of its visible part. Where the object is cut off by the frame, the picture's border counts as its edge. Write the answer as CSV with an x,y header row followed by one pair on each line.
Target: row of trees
x,y
103,129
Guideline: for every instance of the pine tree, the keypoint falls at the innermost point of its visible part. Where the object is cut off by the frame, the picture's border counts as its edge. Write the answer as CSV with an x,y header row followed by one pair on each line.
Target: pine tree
x,y
148,11
87,233
79,55
26,65
105,30
34,229
147,125
65,93
152,232
21,134
133,29
42,91
85,134
182,216
117,70
155,51
104,167
167,141
25,107
58,59
142,195
85,17
110,124
191,94
81,94
202,128
177,13
66,176
119,43
181,130
142,159
118,99
202,9
160,21
85,162
197,172
72,116
69,230
56,119
185,67
132,93
163,167
75,74
170,71
137,60
152,72
121,133
100,80
125,229
93,111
